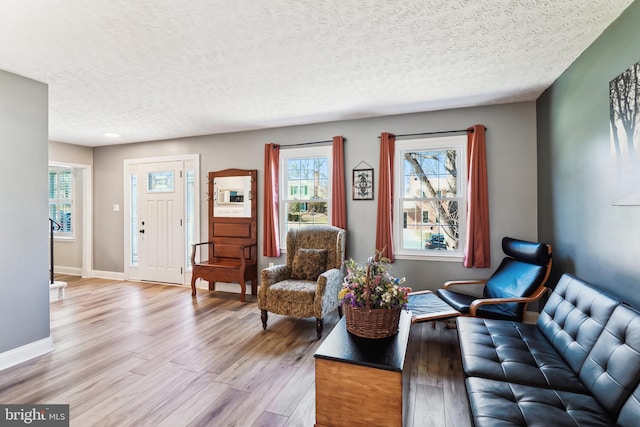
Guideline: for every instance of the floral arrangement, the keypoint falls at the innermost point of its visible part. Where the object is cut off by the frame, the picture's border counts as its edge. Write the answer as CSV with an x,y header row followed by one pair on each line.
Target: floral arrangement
x,y
373,281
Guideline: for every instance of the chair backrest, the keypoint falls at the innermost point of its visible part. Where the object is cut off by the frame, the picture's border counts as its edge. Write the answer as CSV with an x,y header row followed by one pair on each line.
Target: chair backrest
x,y
318,237
524,270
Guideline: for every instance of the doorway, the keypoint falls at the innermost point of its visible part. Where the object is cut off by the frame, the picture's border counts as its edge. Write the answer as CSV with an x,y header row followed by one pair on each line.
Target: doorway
x,y
74,246
162,211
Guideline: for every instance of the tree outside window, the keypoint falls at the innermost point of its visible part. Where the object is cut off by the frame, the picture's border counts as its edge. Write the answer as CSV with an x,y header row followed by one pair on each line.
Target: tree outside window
x,y
431,197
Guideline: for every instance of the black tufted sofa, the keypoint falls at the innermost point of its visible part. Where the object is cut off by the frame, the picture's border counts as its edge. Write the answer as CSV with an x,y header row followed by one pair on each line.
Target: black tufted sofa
x,y
579,365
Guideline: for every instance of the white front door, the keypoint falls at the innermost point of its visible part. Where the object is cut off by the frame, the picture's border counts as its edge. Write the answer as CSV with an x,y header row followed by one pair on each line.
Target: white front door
x,y
160,227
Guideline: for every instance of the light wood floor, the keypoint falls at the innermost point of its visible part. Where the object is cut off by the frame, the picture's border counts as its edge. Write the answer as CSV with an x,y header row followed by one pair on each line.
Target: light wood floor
x,y
145,354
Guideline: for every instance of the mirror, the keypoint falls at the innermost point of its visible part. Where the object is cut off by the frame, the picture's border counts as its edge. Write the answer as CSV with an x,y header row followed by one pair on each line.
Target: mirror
x,y
232,196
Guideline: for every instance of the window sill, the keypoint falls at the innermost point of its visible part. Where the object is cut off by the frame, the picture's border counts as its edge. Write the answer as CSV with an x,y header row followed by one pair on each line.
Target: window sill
x,y
420,257
67,239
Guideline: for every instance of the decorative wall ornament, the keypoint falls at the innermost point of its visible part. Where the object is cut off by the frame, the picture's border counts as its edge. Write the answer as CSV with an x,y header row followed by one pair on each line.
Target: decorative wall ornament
x,y
624,114
363,182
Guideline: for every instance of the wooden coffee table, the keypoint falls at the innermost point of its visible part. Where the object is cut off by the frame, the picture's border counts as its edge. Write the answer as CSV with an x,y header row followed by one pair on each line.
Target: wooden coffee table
x,y
362,382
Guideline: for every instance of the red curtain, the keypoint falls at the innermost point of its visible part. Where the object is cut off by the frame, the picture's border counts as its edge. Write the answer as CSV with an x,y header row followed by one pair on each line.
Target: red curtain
x,y
384,226
338,195
271,237
477,248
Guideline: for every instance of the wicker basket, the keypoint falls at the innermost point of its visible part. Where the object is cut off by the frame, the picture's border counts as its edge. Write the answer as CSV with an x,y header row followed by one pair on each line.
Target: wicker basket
x,y
372,323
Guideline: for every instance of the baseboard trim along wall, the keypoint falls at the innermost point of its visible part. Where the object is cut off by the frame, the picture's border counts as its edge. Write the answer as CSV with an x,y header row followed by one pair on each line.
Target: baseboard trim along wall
x,y
26,352
233,288
72,271
110,275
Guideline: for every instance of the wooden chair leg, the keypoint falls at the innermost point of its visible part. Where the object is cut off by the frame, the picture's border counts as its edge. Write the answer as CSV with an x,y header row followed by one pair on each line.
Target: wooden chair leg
x,y
264,317
319,326
254,286
243,290
193,285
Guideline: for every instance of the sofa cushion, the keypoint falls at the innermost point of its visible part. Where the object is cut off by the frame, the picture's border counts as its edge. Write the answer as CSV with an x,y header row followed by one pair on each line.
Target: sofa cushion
x,y
498,403
612,368
573,318
513,352
630,412
308,264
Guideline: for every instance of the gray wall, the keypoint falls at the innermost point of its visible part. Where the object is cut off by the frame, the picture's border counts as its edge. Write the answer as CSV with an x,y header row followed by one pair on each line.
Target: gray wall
x,y
70,153
24,290
592,239
511,152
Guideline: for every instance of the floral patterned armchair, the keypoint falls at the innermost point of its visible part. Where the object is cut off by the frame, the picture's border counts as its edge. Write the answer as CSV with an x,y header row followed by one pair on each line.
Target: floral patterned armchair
x,y
308,285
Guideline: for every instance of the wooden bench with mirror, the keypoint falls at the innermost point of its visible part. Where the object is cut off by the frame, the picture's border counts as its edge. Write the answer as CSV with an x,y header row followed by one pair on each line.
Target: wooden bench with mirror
x,y
232,247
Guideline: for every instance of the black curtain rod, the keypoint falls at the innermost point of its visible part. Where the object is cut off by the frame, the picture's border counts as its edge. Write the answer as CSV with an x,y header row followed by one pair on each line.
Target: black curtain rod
x,y
434,133
309,143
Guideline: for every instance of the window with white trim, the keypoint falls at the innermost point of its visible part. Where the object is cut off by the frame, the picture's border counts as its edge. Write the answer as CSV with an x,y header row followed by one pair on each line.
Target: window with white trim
x,y
305,188
61,193
430,181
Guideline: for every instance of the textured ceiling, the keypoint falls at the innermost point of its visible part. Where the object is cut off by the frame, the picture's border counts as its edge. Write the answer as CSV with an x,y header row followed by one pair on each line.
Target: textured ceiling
x,y
158,69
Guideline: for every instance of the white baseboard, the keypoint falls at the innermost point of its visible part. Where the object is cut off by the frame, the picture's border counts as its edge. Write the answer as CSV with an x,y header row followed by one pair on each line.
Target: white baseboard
x,y
72,271
111,275
233,288
26,352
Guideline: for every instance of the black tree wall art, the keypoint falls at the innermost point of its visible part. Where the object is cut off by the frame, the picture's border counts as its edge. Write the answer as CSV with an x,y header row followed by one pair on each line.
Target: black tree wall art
x,y
624,101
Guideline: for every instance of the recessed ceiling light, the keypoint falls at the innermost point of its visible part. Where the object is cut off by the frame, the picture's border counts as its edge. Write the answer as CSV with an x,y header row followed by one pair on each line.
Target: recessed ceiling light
x,y
111,135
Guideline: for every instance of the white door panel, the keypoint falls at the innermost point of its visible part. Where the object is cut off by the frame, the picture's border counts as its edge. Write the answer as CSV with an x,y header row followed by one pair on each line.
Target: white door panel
x,y
160,230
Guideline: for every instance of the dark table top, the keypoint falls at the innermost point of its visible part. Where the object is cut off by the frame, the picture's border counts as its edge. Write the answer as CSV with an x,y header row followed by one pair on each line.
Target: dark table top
x,y
383,353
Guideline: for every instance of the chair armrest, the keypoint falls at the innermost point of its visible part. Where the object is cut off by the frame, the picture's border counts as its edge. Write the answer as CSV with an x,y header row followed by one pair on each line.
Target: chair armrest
x,y
242,256
485,301
270,276
420,292
327,289
464,282
243,247
194,248
275,274
332,277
